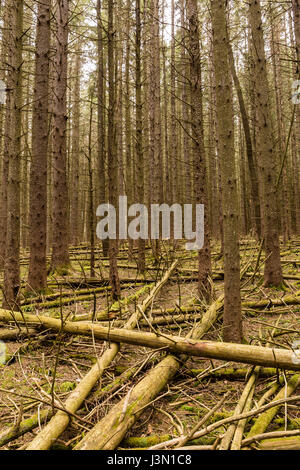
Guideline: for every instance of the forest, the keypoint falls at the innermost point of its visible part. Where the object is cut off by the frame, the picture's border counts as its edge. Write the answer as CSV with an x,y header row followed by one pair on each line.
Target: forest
x,y
150,225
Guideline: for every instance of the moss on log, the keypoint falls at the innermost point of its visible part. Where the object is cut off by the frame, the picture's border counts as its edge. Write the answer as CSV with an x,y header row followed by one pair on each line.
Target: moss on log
x,y
266,418
59,422
27,425
241,353
110,431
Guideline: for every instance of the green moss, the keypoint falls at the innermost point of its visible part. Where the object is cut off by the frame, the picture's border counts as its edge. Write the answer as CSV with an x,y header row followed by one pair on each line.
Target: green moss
x,y
67,387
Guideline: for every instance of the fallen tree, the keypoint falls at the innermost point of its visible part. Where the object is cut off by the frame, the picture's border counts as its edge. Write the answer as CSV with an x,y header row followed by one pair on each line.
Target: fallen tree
x,y
212,427
16,333
60,420
247,354
259,304
230,373
266,418
27,425
110,431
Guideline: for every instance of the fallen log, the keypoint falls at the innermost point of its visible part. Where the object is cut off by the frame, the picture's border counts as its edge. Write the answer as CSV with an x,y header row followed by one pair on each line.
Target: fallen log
x,y
276,437
241,406
268,303
286,443
14,432
86,282
148,441
120,304
167,320
110,431
230,373
259,304
212,427
60,420
241,353
16,333
49,297
266,418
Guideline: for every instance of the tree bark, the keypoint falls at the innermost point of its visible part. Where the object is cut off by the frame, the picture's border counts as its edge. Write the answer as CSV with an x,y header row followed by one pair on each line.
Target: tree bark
x,y
265,151
199,164
111,150
12,254
37,277
232,318
60,244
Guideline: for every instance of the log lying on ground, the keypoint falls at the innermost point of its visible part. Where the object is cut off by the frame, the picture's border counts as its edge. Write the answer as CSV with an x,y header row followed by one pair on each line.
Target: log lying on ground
x,y
230,373
243,405
122,304
148,441
14,432
212,427
110,431
266,418
268,303
287,443
49,297
167,320
219,275
259,304
114,311
16,333
114,385
241,353
60,420
86,282
80,296
277,438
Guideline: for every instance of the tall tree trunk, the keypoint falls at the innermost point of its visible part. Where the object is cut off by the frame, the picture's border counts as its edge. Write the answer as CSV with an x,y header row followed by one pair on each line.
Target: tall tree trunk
x,y
296,17
249,150
37,277
60,244
12,254
75,160
5,50
155,116
112,149
199,165
101,118
139,128
232,318
91,192
173,161
265,151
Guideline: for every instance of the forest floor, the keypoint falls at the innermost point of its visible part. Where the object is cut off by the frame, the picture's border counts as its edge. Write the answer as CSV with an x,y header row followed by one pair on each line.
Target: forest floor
x,y
47,365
